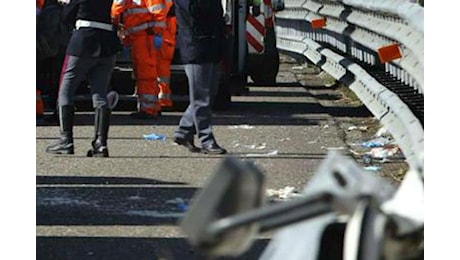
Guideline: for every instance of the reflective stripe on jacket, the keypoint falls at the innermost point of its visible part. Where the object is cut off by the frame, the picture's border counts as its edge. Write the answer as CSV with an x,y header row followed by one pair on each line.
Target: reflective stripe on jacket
x,y
141,14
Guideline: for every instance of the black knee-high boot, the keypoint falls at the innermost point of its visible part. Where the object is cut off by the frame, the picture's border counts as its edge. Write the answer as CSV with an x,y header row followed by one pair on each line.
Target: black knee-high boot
x,y
65,143
101,130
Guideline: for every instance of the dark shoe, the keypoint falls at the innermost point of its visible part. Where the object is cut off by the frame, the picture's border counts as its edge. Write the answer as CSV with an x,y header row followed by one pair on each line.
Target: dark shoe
x,y
213,148
101,151
189,144
63,146
144,115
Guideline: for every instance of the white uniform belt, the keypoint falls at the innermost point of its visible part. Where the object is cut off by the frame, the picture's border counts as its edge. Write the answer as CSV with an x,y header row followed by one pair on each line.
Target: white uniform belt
x,y
92,24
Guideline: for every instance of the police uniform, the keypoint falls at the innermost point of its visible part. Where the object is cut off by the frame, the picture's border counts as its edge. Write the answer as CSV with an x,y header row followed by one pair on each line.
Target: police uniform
x,y
90,56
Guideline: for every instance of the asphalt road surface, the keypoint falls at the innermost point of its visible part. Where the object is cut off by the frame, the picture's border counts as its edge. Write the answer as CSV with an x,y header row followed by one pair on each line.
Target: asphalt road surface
x,y
128,206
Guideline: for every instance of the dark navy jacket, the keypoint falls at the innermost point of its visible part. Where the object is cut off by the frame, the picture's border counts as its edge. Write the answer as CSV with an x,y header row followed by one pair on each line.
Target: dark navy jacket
x,y
202,41
91,42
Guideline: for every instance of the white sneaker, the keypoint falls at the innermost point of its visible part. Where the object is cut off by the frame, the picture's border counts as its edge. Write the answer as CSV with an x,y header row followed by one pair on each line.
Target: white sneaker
x,y
112,99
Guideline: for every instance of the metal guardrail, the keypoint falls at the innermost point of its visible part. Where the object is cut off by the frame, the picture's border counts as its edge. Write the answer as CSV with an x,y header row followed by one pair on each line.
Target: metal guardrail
x,y
375,47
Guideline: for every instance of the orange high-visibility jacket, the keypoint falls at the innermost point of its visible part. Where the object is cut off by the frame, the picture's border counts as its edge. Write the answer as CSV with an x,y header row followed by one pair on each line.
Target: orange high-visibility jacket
x,y
169,34
138,15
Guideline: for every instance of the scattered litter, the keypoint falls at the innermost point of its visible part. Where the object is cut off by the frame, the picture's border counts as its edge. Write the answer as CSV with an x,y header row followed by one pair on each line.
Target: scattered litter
x,y
382,132
241,127
333,148
272,153
367,159
325,126
285,139
360,128
383,152
285,193
154,136
251,146
372,168
182,207
297,67
181,204
313,141
376,142
351,128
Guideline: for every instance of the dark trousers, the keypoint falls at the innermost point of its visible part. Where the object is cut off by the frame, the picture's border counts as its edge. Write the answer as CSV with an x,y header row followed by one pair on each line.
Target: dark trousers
x,y
97,71
203,81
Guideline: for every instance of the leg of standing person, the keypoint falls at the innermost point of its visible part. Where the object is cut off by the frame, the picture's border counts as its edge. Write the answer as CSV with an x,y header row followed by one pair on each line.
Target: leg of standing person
x,y
99,78
56,78
203,83
185,133
164,79
145,59
75,70
165,57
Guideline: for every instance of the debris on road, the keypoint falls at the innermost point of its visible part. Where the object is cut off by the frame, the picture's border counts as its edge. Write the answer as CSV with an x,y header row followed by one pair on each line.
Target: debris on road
x,y
384,152
375,149
313,141
154,136
251,146
272,153
297,67
283,194
373,168
360,128
180,203
377,142
382,132
333,148
240,127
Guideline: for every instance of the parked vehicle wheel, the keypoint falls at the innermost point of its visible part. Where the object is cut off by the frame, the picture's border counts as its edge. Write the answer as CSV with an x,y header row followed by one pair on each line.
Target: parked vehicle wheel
x,y
264,68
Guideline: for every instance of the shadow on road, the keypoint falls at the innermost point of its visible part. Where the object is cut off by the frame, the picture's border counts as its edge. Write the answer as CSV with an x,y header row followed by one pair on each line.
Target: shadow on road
x,y
100,180
96,201
118,248
109,201
254,112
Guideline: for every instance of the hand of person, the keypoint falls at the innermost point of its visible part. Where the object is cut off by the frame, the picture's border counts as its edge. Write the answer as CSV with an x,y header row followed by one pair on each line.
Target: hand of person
x,y
157,41
121,33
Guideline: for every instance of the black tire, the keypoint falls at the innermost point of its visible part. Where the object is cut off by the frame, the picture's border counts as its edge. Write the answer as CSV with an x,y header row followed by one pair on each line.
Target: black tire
x,y
264,68
263,79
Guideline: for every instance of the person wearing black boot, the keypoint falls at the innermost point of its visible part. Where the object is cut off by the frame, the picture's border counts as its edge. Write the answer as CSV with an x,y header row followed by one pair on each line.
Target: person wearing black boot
x,y
90,56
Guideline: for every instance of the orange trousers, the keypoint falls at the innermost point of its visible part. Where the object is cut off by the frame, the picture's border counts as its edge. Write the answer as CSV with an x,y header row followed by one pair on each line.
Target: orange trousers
x,y
144,57
165,58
